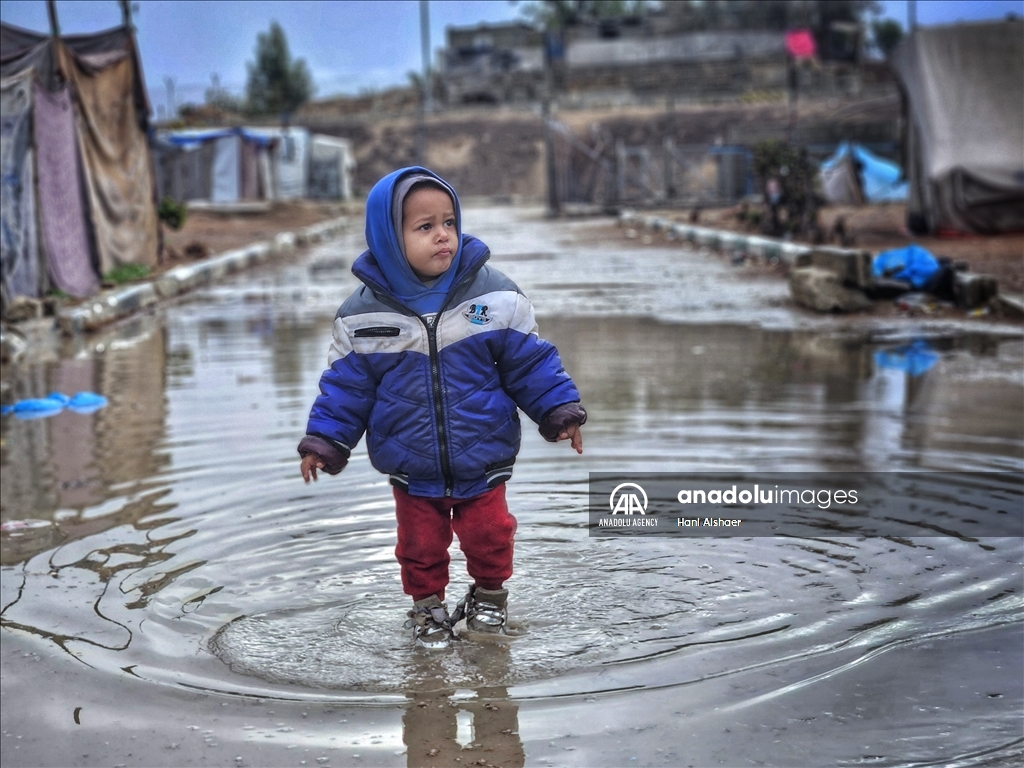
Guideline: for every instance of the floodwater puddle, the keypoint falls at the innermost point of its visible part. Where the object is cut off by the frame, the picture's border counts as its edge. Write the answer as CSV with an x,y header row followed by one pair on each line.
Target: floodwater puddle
x,y
167,541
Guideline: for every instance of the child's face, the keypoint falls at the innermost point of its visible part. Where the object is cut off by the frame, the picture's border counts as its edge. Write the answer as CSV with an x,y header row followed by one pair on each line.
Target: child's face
x,y
428,227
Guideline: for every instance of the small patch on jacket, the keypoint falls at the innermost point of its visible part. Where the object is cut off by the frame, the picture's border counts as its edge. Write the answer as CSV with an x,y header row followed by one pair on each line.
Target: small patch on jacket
x,y
477,314
376,331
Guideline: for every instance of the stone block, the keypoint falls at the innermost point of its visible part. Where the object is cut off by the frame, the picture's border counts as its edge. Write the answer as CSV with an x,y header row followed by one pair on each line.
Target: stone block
x,y
971,290
23,308
852,266
823,291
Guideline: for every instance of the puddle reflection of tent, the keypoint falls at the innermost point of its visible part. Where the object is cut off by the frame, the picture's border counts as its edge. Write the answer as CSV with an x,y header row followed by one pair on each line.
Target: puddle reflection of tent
x,y
963,89
77,186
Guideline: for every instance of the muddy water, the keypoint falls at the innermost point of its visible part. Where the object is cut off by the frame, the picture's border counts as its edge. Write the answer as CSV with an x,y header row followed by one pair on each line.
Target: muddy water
x,y
173,594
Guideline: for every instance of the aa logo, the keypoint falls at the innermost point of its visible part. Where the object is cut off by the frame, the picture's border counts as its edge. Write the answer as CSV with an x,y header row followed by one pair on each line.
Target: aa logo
x,y
477,314
628,499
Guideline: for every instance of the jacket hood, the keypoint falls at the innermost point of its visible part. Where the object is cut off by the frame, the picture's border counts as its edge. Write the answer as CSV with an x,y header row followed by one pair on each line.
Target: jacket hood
x,y
384,267
385,243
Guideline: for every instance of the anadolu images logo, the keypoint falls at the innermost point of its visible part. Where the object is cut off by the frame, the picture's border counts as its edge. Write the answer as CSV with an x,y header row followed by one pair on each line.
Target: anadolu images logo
x,y
624,499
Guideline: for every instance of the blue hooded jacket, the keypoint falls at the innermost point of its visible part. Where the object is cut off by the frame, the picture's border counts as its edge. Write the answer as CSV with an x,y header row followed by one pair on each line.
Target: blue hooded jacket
x,y
435,376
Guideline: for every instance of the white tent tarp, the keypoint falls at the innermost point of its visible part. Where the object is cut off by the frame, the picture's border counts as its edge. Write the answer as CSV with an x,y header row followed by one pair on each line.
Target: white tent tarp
x,y
964,88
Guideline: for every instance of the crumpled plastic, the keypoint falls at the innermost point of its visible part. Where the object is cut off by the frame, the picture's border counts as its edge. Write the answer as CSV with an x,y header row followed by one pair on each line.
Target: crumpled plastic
x,y
54,403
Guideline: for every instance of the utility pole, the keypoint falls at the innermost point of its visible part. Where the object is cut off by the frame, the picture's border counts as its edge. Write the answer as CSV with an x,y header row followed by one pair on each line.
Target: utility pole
x,y
126,13
428,89
911,15
424,96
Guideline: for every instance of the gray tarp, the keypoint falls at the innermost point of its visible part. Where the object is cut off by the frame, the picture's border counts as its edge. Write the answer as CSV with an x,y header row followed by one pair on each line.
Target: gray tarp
x,y
964,88
62,218
19,250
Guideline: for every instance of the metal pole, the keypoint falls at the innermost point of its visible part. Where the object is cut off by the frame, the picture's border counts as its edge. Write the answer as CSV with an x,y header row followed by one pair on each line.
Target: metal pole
x,y
551,175
912,14
126,13
428,86
51,11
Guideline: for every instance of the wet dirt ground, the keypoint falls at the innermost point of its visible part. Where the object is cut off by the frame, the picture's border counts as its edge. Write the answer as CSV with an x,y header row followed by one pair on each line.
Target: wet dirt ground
x,y
173,594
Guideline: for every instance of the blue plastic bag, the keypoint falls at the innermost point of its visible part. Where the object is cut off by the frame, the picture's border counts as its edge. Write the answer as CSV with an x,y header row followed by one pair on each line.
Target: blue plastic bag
x,y
914,264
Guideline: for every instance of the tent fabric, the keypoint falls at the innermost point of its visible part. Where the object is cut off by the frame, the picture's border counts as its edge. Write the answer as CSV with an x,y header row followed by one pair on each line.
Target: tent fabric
x,y
226,173
117,163
62,213
291,161
330,167
250,171
877,180
840,182
964,94
19,252
183,172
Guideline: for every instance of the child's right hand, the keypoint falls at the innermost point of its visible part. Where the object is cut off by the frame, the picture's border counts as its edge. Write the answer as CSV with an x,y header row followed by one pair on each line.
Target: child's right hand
x,y
310,464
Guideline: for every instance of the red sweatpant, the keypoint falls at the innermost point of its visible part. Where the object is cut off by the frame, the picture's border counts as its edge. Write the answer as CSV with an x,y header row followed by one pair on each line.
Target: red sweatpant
x,y
485,529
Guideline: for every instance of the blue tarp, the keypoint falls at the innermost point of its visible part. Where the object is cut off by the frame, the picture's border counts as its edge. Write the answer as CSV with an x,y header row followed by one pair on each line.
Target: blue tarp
x,y
192,138
880,180
914,264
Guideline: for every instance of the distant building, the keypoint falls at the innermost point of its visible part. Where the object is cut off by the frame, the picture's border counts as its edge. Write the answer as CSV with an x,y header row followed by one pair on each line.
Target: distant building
x,y
695,49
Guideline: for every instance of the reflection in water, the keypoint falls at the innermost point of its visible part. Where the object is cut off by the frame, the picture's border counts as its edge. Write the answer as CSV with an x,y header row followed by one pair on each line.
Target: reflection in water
x,y
490,732
173,523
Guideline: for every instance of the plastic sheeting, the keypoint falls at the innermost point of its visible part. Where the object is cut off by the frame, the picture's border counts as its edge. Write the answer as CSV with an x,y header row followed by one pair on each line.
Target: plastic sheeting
x,y
62,215
19,249
914,264
116,153
878,179
226,174
965,98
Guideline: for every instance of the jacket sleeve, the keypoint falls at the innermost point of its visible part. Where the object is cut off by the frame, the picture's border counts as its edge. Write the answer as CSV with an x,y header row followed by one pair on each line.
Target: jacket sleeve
x,y
530,368
348,389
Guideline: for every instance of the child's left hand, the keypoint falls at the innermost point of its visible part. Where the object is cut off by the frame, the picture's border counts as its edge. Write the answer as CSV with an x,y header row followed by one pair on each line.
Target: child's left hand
x,y
575,434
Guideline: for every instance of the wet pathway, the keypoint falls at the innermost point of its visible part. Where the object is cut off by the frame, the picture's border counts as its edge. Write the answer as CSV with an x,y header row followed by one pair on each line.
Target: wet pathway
x,y
173,594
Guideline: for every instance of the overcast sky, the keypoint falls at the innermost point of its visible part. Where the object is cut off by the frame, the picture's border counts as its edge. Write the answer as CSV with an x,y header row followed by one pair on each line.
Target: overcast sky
x,y
349,46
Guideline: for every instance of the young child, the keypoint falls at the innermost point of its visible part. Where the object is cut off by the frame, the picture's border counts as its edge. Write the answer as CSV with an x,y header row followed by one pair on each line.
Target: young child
x,y
431,357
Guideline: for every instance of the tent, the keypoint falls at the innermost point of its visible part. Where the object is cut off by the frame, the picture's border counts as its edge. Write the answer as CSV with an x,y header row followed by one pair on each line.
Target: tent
x,y
220,165
963,89
77,196
331,163
853,175
291,165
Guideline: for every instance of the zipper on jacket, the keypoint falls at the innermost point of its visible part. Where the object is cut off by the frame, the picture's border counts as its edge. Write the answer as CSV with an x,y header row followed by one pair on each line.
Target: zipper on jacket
x,y
438,399
435,369
435,379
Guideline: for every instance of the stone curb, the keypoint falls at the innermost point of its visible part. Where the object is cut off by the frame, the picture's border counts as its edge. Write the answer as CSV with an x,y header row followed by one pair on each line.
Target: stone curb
x,y
113,305
719,239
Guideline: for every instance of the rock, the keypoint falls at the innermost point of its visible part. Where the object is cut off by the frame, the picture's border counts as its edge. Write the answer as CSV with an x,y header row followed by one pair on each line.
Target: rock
x,y
13,345
972,290
822,290
23,308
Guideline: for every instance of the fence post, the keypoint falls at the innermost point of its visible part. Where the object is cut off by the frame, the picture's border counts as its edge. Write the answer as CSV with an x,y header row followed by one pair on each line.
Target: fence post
x,y
620,170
